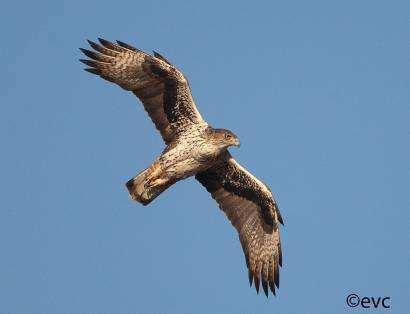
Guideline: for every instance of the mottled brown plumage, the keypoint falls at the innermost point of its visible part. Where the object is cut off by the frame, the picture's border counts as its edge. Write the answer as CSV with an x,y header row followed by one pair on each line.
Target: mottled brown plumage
x,y
194,148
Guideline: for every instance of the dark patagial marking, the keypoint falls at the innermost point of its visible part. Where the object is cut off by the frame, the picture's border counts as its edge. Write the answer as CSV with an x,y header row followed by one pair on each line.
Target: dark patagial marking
x,y
235,182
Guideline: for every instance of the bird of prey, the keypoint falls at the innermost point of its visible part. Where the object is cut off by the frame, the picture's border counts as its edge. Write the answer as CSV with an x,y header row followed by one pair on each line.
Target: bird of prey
x,y
194,148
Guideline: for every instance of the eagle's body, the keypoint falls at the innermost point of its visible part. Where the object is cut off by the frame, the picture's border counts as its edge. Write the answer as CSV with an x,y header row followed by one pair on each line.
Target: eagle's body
x,y
194,148
191,152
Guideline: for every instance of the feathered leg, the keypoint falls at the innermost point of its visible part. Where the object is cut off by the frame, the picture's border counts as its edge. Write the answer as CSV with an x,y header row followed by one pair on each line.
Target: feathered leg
x,y
148,184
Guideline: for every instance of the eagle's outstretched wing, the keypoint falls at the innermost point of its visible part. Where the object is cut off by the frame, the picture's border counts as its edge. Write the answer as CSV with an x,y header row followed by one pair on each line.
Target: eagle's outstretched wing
x,y
250,207
161,87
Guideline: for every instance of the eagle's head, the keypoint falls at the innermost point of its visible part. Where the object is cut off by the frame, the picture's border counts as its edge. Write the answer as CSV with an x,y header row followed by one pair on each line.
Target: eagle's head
x,y
225,138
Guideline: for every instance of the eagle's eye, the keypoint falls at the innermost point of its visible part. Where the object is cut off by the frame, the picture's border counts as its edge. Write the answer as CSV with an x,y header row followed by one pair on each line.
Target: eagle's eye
x,y
228,136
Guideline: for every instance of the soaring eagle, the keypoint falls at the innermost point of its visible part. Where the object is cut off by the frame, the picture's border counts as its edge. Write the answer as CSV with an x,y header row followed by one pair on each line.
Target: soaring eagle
x,y
194,148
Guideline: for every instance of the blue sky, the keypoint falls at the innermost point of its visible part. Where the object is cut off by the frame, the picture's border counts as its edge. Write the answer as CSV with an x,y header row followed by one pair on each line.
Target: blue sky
x,y
318,92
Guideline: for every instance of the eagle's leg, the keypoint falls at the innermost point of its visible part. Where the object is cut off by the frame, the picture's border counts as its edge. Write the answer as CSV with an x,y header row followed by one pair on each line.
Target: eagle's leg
x,y
155,177
148,184
156,182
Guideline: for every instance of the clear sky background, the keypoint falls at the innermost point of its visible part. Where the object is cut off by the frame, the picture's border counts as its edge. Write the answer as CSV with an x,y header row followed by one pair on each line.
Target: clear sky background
x,y
318,92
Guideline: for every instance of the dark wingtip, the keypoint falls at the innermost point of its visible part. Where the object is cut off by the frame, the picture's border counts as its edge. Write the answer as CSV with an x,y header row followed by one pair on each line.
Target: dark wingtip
x,y
265,287
126,46
281,220
94,45
88,53
257,282
85,61
272,288
280,254
90,42
90,63
105,42
250,276
161,57
276,278
279,217
93,71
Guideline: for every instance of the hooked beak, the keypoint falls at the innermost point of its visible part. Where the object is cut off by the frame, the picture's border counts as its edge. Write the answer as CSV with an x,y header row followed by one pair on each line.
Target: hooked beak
x,y
237,142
